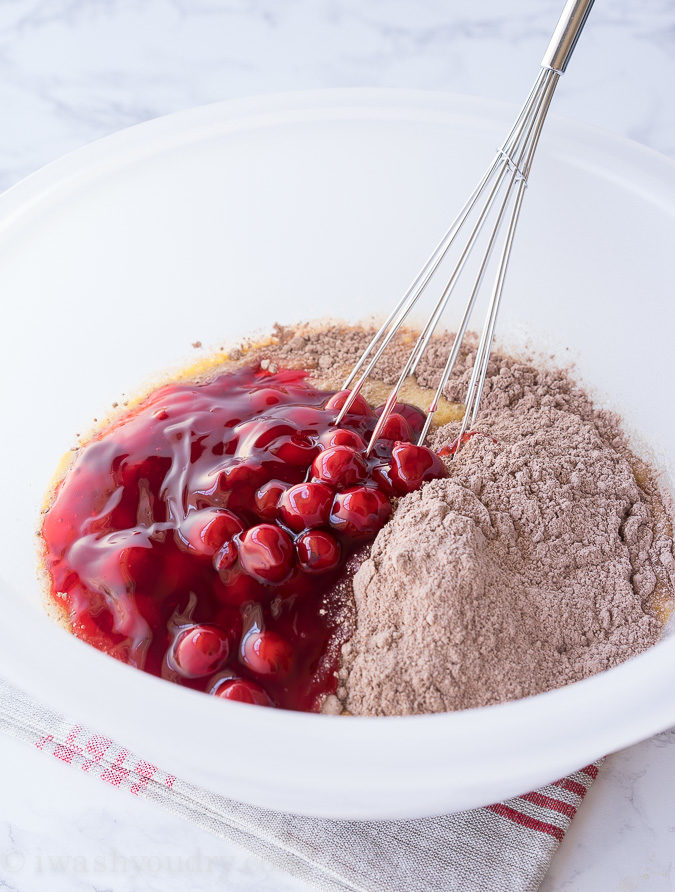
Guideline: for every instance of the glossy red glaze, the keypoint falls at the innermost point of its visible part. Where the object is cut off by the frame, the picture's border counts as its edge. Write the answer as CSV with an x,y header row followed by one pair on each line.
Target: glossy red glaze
x,y
190,539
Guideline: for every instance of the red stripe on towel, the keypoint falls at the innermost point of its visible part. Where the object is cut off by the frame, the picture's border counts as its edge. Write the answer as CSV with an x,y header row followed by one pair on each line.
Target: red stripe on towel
x,y
572,787
548,802
505,811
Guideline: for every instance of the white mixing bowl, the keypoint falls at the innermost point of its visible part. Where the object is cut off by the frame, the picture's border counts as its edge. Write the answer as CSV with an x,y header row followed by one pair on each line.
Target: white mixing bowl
x,y
215,222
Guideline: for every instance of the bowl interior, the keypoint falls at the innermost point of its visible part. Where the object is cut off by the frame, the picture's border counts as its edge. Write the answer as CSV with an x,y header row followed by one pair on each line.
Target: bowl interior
x,y
211,224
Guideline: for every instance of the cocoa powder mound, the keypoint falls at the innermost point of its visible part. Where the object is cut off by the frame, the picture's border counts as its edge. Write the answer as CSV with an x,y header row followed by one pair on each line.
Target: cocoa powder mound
x,y
546,555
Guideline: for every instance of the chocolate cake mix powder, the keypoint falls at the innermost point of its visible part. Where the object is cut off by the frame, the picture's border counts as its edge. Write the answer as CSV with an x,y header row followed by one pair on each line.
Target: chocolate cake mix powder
x,y
545,556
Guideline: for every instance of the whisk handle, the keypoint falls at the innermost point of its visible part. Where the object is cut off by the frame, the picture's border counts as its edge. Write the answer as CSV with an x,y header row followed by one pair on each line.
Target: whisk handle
x,y
566,34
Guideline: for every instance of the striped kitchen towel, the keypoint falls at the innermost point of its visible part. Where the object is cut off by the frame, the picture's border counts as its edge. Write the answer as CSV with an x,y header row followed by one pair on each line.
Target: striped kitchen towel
x,y
505,847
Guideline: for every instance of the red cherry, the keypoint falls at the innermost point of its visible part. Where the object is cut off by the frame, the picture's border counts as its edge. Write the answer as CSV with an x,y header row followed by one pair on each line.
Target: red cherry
x,y
297,450
414,416
318,551
244,692
266,499
266,553
339,466
306,505
200,650
342,437
205,531
266,653
381,474
412,465
396,428
358,407
226,557
360,511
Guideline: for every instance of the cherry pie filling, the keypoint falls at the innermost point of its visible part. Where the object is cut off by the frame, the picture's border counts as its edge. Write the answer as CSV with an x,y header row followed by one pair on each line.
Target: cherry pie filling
x,y
204,535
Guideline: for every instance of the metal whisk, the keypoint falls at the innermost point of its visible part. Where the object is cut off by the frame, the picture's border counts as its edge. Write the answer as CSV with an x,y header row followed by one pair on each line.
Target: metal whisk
x,y
501,188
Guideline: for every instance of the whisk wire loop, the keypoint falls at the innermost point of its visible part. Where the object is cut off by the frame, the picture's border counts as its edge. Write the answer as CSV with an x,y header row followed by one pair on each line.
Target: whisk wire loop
x,y
398,315
479,372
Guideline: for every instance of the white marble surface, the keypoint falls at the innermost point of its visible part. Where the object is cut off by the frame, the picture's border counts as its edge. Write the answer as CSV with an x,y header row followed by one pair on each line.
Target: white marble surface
x,y
75,70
